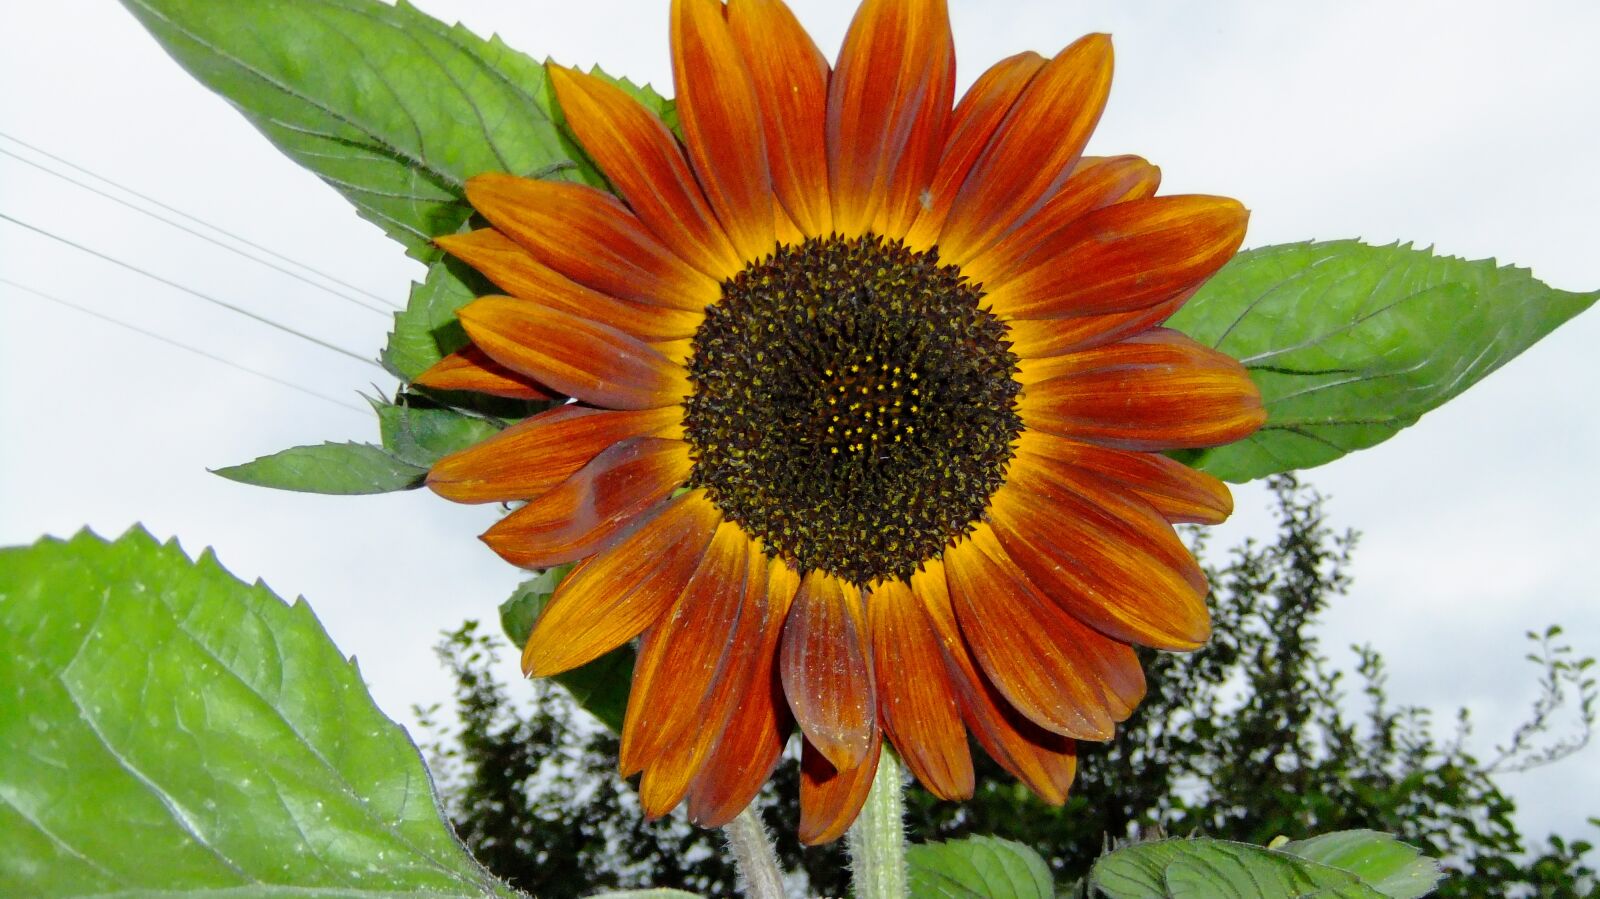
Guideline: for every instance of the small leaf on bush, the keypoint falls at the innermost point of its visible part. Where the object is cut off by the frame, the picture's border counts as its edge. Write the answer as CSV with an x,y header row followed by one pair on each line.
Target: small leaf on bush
x,y
1354,865
340,468
170,730
600,686
979,867
1350,343
423,436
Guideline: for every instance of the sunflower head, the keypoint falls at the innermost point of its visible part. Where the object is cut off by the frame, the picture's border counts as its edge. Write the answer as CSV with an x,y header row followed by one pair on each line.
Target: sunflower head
x,y
869,400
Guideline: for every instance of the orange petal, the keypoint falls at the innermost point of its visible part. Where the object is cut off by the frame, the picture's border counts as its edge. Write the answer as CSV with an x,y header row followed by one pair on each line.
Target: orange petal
x,y
1177,491
1032,151
827,671
517,272
1094,184
1023,643
791,79
594,508
888,108
916,702
1041,337
1124,257
595,363
608,599
684,651
831,798
758,726
673,773
642,160
531,457
1044,761
971,125
721,117
472,369
1109,561
590,237
1158,391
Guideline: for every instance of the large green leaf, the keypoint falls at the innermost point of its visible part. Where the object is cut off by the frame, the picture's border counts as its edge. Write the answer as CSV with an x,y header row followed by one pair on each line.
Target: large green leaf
x,y
1350,865
600,686
391,107
1350,343
168,728
979,867
339,468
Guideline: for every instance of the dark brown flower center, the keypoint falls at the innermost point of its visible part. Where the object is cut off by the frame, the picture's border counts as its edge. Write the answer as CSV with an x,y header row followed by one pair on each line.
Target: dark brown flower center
x,y
852,406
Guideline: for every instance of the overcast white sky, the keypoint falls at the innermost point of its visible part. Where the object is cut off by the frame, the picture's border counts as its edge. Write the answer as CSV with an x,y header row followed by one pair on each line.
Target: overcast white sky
x,y
1459,124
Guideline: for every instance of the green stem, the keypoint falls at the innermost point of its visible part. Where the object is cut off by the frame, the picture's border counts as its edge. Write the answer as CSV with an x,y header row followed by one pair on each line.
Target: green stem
x,y
753,855
877,841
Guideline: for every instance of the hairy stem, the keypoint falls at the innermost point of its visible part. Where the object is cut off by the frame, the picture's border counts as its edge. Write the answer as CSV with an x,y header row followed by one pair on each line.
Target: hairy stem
x,y
752,853
877,841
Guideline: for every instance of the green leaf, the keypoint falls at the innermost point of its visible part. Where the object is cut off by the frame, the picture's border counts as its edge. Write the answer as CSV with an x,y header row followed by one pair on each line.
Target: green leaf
x,y
1349,343
339,468
1353,865
391,107
168,728
979,867
1393,868
648,894
427,330
421,436
600,686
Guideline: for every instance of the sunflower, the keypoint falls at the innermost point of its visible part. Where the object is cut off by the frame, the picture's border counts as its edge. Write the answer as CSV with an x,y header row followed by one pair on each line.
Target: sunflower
x,y
869,395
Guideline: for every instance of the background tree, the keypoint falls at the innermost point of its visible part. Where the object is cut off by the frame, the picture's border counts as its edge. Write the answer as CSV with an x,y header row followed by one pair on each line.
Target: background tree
x,y
1252,737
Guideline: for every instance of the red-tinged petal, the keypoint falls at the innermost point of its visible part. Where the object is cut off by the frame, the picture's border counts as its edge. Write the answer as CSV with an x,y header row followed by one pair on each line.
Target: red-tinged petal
x,y
1044,761
1094,184
1178,492
608,599
665,781
594,508
1024,644
674,771
1158,391
974,121
827,670
721,116
517,272
531,457
472,369
791,78
1044,337
888,108
916,703
758,726
595,363
684,651
1121,258
830,797
1032,151
587,235
1107,560
642,160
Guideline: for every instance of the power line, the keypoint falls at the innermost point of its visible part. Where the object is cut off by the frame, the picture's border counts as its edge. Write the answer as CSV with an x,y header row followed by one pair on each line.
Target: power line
x,y
191,291
182,346
364,304
197,220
